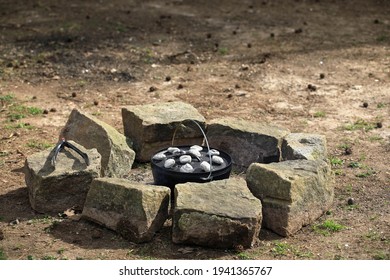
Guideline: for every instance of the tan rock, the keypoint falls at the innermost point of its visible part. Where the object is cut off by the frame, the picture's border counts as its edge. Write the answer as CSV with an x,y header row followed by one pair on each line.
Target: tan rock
x,y
134,210
55,189
114,147
220,214
293,193
304,146
246,141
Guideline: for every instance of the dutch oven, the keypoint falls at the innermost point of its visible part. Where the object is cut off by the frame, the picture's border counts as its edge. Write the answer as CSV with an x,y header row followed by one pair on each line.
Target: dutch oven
x,y
205,164
173,175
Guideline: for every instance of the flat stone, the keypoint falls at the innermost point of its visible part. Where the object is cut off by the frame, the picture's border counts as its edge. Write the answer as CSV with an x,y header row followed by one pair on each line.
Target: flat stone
x,y
114,147
293,193
56,189
134,210
160,125
219,214
304,146
246,141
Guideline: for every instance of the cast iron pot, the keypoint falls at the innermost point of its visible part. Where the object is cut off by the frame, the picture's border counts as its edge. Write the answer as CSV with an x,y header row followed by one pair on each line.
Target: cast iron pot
x,y
170,177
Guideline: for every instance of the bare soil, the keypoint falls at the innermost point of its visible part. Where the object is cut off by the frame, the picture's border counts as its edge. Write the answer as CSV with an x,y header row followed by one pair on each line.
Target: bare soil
x,y
311,66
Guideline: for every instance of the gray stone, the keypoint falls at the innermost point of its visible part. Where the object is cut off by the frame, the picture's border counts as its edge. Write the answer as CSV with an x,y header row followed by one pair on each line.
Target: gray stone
x,y
293,193
115,148
219,214
304,146
155,126
56,189
246,141
134,210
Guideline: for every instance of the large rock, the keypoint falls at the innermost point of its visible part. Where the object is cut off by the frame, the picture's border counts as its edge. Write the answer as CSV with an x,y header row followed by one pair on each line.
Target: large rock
x,y
293,193
246,141
155,126
304,146
220,214
134,210
55,189
115,148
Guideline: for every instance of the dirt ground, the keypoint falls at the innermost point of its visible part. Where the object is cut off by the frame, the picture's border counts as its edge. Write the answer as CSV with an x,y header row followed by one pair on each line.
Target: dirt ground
x,y
316,66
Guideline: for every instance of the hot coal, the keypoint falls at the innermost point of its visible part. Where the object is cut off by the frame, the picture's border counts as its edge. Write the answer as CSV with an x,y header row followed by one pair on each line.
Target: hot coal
x,y
173,154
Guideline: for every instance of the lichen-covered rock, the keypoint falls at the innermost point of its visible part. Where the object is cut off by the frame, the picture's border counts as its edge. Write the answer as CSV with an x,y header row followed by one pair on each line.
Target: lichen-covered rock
x,y
134,210
114,147
219,214
293,193
152,127
55,189
304,146
246,141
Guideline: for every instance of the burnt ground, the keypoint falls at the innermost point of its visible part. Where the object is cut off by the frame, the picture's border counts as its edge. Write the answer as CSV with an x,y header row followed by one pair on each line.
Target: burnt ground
x,y
309,65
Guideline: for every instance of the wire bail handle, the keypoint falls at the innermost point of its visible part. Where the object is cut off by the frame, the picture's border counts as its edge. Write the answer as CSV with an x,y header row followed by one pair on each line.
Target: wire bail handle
x,y
205,140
